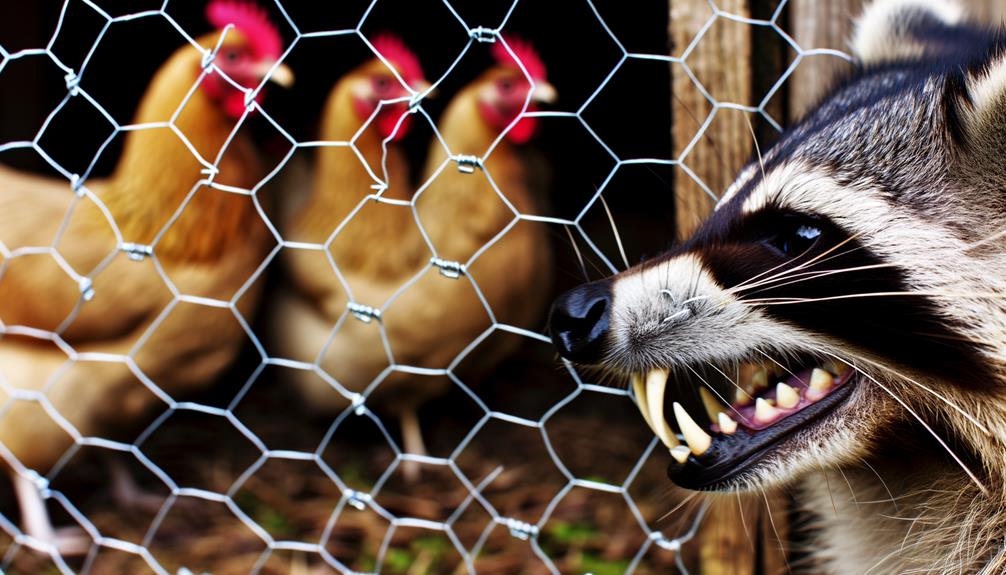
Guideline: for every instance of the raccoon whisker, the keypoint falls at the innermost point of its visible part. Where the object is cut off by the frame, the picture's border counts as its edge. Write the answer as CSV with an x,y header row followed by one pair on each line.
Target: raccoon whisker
x,y
725,401
779,538
693,495
928,389
742,514
895,552
789,272
614,230
812,275
852,491
793,300
757,147
579,256
831,493
706,135
882,482
803,265
712,389
977,244
767,356
921,421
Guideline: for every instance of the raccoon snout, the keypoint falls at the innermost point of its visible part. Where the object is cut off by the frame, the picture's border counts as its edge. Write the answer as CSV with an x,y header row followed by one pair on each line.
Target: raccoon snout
x,y
578,321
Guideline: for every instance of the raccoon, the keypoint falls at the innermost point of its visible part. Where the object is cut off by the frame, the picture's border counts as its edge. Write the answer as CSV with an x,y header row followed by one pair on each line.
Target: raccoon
x,y
837,326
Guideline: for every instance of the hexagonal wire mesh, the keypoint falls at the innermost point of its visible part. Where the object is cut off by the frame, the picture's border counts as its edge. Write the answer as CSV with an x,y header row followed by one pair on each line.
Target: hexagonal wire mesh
x,y
274,541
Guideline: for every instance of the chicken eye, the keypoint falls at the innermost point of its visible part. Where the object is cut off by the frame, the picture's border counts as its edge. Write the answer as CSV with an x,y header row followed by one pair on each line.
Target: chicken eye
x,y
505,85
796,239
382,83
231,55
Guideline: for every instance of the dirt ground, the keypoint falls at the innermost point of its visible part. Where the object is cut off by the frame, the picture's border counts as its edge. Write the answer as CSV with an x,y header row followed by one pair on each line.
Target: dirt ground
x,y
596,437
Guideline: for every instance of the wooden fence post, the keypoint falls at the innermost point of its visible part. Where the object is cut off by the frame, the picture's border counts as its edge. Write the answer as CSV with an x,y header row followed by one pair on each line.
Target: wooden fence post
x,y
816,24
721,62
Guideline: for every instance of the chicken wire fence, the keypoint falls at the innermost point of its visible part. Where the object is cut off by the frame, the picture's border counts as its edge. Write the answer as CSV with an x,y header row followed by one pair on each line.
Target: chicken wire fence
x,y
362,500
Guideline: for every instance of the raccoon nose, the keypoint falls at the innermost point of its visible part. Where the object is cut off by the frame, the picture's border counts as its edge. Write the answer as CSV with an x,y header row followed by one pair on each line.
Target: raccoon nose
x,y
579,321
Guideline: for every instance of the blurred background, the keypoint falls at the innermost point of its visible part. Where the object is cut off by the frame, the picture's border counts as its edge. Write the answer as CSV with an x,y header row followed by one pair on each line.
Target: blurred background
x,y
533,467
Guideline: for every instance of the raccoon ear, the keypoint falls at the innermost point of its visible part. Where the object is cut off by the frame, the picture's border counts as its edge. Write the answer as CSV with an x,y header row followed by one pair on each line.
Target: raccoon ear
x,y
892,30
975,106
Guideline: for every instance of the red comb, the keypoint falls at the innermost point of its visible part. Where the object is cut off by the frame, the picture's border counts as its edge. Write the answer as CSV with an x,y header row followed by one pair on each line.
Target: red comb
x,y
525,52
394,50
251,21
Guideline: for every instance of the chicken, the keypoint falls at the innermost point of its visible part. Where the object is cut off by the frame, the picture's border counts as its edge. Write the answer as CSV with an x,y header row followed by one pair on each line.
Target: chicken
x,y
429,323
101,294
369,105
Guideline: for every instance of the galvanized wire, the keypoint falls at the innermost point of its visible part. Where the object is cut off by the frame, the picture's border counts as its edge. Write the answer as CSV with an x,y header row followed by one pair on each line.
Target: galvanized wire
x,y
355,311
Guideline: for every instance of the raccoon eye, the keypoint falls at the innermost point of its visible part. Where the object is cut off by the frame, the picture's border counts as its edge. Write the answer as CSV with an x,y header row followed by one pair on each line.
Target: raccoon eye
x,y
796,239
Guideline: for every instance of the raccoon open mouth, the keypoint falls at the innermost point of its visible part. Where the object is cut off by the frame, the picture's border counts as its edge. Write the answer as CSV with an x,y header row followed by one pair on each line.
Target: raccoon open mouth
x,y
715,442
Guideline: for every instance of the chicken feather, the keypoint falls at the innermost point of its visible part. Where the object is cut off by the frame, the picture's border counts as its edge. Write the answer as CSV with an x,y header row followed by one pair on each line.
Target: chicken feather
x,y
428,324
210,250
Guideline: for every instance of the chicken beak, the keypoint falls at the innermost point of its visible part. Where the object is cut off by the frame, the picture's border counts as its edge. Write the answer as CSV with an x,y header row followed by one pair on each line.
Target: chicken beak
x,y
544,92
282,75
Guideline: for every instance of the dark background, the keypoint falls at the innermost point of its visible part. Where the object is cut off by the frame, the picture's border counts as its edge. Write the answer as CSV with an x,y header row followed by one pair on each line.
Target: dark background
x,y
632,114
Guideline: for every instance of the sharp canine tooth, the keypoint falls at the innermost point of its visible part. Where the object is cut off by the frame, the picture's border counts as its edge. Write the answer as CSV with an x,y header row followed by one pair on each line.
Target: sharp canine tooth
x,y
764,411
656,383
697,439
639,387
680,453
786,396
713,406
727,425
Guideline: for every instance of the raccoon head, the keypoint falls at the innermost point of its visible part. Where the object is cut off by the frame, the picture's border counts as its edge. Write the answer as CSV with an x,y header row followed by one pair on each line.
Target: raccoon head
x,y
847,293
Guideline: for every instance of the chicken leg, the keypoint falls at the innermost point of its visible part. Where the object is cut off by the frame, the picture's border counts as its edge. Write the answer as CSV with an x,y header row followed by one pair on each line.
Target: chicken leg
x,y
412,439
67,541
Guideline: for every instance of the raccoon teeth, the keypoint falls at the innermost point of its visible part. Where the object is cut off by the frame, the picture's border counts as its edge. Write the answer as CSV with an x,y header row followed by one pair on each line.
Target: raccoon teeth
x,y
639,387
757,404
765,412
820,382
786,396
752,378
742,397
656,384
713,406
697,439
838,368
680,453
727,425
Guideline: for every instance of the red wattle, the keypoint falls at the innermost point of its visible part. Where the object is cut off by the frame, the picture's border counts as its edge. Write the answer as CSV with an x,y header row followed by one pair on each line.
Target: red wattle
x,y
234,104
523,130
388,118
